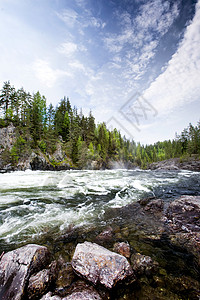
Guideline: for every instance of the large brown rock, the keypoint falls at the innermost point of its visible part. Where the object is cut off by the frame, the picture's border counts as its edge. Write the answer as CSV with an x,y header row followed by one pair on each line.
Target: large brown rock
x,y
17,266
99,265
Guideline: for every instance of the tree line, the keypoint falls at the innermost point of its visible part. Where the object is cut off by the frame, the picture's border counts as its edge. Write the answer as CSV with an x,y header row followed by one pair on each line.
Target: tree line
x,y
41,127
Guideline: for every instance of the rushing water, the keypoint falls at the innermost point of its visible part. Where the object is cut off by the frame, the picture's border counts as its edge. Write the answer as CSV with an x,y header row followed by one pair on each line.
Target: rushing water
x,y
60,209
33,202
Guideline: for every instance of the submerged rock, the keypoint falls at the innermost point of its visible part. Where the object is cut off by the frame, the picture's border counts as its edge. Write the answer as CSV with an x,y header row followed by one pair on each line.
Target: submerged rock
x,y
123,249
143,264
99,265
17,266
105,236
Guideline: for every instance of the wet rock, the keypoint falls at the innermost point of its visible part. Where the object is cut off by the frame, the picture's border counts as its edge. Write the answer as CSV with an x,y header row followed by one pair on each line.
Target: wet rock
x,y
84,295
183,223
49,296
123,249
99,265
38,284
143,264
81,290
154,206
183,214
17,266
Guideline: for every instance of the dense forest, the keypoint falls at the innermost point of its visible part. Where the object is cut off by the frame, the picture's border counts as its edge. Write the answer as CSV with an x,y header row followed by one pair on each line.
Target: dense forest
x,y
41,127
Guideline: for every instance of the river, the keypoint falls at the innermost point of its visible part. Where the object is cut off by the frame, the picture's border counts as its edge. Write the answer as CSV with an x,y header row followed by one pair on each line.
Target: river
x,y
41,206
32,202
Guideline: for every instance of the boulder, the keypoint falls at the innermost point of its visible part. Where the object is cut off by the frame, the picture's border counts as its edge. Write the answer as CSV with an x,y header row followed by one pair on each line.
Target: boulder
x,y
17,266
99,265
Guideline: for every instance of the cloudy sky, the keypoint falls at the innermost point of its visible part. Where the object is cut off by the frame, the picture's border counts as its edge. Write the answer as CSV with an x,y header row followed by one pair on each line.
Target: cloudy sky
x,y
134,63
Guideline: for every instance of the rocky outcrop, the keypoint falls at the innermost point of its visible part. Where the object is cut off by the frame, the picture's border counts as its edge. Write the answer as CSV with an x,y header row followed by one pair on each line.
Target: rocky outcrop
x,y
36,160
17,266
7,137
190,163
99,265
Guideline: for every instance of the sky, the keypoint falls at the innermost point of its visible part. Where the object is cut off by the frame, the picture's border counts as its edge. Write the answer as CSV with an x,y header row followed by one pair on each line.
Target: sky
x,y
134,63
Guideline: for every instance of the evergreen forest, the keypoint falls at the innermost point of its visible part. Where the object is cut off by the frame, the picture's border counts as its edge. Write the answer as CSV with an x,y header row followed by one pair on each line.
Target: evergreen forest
x,y
41,127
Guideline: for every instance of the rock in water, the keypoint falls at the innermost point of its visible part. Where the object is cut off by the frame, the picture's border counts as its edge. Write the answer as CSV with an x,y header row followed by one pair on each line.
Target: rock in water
x,y
143,264
123,249
38,284
99,265
17,266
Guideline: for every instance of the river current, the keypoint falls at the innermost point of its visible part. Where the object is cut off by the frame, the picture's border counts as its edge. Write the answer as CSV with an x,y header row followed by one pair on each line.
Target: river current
x,y
35,202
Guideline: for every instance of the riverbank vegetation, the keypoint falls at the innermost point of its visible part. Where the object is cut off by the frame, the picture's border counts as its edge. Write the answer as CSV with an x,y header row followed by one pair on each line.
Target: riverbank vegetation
x,y
41,127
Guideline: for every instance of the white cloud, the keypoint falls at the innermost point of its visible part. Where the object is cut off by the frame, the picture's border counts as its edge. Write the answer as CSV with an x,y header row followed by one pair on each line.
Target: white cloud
x,y
179,83
68,48
46,74
77,65
69,16
137,42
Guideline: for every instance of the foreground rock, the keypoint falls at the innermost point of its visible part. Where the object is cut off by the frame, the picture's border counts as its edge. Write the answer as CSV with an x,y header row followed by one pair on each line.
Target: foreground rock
x,y
17,266
99,265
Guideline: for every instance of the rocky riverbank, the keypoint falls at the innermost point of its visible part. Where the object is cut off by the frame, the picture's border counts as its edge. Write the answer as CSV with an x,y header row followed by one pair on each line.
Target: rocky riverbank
x,y
189,163
150,250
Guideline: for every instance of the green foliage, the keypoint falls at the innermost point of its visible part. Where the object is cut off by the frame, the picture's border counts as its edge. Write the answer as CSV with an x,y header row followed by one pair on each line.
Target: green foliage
x,y
2,123
83,141
42,145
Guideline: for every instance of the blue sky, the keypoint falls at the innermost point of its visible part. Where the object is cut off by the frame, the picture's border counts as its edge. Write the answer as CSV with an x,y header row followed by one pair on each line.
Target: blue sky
x,y
134,63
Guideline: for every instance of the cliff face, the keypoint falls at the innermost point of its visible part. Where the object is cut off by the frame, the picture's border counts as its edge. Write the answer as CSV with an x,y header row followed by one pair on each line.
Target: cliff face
x,y
33,160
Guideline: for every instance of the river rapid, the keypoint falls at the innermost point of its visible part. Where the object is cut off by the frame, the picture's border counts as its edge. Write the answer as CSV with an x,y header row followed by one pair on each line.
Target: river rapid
x,y
35,202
